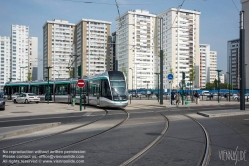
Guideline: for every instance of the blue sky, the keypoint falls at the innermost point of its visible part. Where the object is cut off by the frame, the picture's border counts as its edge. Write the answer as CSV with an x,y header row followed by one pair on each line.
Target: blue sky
x,y
219,19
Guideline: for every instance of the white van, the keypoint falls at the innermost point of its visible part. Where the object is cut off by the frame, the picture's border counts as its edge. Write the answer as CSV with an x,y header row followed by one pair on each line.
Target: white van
x,y
205,93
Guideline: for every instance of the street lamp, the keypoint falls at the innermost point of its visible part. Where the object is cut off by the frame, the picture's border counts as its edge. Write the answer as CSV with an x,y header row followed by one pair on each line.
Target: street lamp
x,y
132,80
48,90
157,84
229,85
218,71
21,71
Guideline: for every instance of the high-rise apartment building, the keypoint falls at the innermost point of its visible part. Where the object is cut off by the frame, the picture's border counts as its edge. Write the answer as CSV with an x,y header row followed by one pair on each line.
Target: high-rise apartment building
x,y
245,8
180,44
204,65
213,66
233,61
91,47
113,62
58,36
33,58
5,61
19,56
135,48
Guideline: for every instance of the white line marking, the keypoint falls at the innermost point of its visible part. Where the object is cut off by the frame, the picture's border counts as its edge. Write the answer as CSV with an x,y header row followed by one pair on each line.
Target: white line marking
x,y
246,119
86,114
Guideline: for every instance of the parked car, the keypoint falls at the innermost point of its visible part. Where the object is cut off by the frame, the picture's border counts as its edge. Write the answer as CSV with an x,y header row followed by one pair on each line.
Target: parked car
x,y
27,98
205,93
14,95
2,101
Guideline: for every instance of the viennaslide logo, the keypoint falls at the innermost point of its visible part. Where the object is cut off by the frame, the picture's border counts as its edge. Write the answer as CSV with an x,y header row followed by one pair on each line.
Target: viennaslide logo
x,y
233,155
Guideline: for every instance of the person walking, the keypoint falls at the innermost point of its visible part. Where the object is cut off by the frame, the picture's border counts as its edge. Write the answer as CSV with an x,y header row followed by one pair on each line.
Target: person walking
x,y
172,97
178,99
197,97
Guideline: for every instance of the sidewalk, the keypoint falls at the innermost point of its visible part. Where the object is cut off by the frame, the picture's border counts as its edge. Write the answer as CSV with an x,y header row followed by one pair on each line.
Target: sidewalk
x,y
166,103
29,110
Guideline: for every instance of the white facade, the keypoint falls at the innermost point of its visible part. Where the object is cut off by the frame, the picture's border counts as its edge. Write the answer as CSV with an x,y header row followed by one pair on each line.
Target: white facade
x,y
180,45
233,61
91,37
213,66
33,57
204,65
57,48
245,8
5,60
19,52
135,48
222,78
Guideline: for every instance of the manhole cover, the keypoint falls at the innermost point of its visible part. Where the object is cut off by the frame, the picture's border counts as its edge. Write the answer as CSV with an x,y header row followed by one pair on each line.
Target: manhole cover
x,y
21,112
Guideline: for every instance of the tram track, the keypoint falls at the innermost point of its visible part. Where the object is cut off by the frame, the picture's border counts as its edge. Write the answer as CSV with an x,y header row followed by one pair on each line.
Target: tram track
x,y
54,134
84,139
207,151
151,145
204,160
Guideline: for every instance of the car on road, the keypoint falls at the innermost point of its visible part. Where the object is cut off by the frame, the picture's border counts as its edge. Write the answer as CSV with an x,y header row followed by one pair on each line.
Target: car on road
x,y
14,95
27,98
205,93
2,101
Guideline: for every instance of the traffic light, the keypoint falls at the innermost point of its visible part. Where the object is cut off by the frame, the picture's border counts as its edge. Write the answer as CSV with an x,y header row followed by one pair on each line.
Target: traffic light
x,y
183,75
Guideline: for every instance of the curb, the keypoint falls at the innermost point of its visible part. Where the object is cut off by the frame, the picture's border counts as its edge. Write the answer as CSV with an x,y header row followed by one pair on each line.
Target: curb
x,y
27,131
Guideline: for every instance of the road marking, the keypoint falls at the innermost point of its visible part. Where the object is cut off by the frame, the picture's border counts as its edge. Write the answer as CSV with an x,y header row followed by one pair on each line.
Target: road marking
x,y
246,119
86,114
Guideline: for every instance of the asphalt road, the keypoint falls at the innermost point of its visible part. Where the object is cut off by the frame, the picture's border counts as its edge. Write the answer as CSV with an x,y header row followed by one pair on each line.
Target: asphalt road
x,y
183,143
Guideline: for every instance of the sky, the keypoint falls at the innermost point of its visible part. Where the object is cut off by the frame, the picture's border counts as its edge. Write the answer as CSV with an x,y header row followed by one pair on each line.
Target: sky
x,y
219,19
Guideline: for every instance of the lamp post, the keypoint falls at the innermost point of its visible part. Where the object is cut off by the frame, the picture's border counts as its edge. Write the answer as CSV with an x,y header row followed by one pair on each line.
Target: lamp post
x,y
229,85
48,90
21,72
132,80
157,84
218,71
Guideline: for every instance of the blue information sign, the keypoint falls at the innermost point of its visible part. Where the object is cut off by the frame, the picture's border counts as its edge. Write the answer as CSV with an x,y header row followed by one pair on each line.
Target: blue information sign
x,y
170,76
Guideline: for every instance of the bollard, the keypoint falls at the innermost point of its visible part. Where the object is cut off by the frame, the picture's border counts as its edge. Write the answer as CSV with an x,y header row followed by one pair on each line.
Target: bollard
x,y
130,99
73,101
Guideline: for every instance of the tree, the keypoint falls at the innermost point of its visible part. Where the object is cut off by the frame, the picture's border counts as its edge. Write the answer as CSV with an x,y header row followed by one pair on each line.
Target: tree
x,y
209,85
216,84
29,77
192,76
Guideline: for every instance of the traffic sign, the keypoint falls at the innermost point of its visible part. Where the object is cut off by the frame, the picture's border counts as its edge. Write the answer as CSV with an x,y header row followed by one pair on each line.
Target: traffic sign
x,y
170,76
81,83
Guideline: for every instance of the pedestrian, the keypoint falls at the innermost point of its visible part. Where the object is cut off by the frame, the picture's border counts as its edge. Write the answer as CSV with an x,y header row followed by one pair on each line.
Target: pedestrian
x,y
197,96
178,99
172,97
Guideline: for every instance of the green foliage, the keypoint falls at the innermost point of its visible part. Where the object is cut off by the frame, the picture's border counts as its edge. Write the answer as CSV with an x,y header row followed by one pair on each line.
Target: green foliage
x,y
29,77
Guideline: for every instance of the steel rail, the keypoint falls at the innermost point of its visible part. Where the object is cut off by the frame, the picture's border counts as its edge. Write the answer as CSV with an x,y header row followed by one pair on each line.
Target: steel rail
x,y
152,144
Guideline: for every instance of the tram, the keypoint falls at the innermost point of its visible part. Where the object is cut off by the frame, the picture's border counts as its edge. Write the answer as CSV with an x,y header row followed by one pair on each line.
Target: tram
x,y
108,89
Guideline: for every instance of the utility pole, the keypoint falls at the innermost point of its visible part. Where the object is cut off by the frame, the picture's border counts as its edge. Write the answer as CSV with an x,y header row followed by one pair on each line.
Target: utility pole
x,y
48,89
242,62
158,85
218,84
161,61
230,75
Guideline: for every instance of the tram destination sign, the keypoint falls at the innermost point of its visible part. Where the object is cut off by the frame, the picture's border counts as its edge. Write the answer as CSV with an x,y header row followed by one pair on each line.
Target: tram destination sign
x,y
81,83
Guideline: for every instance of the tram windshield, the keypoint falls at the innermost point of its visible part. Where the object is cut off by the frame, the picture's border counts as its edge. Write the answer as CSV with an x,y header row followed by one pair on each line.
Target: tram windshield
x,y
118,88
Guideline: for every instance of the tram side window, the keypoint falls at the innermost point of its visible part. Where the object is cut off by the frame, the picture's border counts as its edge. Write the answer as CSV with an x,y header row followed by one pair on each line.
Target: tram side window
x,y
105,89
94,88
61,89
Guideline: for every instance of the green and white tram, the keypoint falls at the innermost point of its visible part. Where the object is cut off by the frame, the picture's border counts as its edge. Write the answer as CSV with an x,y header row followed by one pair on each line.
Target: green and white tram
x,y
104,90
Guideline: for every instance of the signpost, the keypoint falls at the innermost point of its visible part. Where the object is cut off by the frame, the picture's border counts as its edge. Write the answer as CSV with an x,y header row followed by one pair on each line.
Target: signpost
x,y
170,78
80,84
